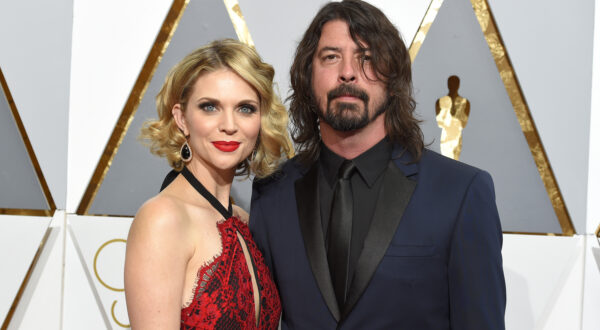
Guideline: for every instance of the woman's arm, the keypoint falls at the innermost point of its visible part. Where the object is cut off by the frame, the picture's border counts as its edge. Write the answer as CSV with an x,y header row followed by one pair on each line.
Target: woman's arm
x,y
155,264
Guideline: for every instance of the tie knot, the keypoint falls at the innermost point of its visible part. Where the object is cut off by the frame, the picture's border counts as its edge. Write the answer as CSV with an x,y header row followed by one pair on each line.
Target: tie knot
x,y
346,169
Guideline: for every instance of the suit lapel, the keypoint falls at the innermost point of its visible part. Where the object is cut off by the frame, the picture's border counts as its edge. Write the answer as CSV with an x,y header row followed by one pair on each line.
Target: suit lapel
x,y
394,196
307,201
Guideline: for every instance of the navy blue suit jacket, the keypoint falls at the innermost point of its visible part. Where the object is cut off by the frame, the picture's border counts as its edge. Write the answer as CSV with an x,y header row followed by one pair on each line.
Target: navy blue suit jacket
x,y
431,259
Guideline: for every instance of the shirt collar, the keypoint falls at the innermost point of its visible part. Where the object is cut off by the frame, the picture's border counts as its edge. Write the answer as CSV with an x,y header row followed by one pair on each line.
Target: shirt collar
x,y
370,164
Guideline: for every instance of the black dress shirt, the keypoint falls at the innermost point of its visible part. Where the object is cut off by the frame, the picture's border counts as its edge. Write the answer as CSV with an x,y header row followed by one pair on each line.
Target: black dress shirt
x,y
366,184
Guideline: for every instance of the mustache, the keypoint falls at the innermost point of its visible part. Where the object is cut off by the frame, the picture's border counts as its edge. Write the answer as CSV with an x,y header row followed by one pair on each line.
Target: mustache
x,y
346,89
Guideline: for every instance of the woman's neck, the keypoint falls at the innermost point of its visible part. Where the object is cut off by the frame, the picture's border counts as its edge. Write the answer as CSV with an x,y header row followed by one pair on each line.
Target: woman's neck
x,y
217,182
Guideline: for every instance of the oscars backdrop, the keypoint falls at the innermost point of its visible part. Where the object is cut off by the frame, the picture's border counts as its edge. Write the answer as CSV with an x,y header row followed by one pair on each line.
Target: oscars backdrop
x,y
504,85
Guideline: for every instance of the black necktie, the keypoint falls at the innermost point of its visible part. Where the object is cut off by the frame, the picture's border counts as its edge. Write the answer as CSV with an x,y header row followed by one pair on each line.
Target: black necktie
x,y
340,232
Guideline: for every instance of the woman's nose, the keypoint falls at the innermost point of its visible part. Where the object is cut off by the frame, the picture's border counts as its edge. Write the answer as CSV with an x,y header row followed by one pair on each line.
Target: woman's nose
x,y
228,124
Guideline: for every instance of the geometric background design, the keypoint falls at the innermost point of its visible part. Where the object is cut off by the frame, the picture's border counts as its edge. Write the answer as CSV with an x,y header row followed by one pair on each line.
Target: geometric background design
x,y
99,250
106,194
35,58
24,188
492,139
550,44
29,234
135,174
93,52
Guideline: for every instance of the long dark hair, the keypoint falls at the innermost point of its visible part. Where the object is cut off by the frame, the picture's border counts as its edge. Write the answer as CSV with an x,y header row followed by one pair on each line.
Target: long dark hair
x,y
390,60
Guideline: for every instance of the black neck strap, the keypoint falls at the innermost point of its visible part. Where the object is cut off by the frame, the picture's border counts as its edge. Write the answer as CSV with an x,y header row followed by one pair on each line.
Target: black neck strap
x,y
226,213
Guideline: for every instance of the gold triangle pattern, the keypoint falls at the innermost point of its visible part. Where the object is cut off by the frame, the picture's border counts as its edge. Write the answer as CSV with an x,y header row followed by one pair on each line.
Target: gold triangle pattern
x,y
507,73
239,23
32,157
419,38
159,47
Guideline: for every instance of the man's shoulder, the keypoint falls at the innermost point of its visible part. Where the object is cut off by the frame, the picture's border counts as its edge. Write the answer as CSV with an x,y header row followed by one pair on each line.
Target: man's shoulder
x,y
434,164
440,162
290,171
440,177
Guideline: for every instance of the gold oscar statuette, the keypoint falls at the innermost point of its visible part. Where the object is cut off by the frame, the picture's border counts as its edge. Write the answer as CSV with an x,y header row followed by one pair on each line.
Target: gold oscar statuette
x,y
452,113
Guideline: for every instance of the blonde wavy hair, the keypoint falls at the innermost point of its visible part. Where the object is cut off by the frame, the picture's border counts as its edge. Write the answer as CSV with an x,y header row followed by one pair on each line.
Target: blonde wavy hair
x,y
164,137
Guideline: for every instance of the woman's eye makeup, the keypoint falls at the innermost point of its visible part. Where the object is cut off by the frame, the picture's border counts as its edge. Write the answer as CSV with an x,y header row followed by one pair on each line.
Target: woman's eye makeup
x,y
208,106
247,108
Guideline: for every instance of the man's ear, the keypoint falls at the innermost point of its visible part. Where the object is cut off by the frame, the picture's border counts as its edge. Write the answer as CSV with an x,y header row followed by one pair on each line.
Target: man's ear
x,y
180,119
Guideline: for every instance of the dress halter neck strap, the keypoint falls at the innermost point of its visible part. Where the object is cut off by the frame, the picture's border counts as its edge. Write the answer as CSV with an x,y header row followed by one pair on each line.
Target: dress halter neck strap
x,y
226,213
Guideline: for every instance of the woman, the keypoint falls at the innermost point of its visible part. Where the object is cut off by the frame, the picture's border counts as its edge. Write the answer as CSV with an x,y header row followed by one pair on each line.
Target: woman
x,y
190,260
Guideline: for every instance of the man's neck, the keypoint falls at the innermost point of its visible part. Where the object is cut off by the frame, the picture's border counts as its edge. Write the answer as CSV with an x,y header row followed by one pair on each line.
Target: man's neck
x,y
351,144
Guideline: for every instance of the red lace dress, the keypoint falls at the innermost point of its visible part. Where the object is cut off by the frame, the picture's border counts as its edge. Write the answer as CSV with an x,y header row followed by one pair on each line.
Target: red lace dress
x,y
223,297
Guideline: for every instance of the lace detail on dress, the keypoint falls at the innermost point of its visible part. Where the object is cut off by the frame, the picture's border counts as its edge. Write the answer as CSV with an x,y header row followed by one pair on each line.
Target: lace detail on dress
x,y
205,279
224,298
213,266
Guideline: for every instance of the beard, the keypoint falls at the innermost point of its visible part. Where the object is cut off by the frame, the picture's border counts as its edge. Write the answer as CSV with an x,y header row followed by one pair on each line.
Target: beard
x,y
345,116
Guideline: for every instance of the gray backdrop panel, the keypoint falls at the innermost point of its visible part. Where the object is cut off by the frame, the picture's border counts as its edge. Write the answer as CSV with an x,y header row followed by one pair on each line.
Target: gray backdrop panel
x,y
551,45
19,186
36,47
135,174
277,45
492,139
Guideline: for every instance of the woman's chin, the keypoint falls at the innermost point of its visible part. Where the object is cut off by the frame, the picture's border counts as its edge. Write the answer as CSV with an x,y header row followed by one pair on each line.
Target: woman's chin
x,y
226,165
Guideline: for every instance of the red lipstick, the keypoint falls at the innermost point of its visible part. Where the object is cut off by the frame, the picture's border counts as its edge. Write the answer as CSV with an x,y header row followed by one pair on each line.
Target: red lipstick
x,y
226,146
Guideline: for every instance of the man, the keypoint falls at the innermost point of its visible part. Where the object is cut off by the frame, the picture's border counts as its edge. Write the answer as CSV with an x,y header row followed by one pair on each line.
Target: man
x,y
366,229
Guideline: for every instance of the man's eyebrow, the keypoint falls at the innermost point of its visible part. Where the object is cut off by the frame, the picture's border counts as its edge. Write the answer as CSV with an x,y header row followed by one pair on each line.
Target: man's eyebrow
x,y
329,48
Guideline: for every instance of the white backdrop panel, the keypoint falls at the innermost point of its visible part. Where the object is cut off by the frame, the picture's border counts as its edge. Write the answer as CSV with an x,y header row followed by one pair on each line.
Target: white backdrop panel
x,y
406,15
82,304
100,239
20,238
543,281
593,192
591,286
41,303
111,40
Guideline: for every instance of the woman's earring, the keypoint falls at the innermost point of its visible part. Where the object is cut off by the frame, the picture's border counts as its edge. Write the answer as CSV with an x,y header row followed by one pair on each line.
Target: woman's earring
x,y
185,152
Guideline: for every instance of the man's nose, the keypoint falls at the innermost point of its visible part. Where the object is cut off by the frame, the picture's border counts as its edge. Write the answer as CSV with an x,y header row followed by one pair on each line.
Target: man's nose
x,y
347,71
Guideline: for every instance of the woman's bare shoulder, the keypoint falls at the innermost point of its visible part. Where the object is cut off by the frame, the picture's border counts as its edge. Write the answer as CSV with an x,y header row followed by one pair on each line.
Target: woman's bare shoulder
x,y
162,215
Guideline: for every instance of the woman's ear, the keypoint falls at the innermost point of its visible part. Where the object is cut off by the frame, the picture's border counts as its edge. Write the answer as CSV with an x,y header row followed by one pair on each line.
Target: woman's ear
x,y
180,119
